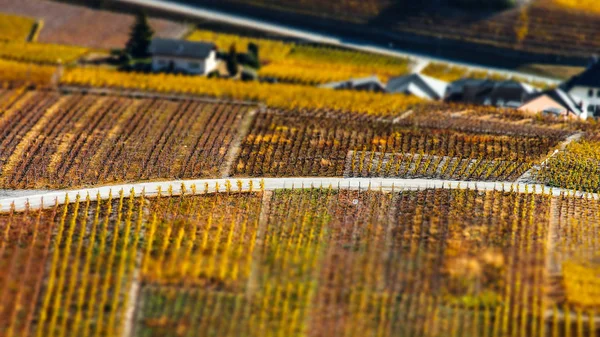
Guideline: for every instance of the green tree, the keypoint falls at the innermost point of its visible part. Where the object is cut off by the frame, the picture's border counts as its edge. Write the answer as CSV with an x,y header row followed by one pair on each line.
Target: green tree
x,y
140,37
253,60
232,61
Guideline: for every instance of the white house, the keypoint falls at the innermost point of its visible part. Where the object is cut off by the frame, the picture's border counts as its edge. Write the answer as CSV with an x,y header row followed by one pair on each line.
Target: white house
x,y
585,89
183,56
419,85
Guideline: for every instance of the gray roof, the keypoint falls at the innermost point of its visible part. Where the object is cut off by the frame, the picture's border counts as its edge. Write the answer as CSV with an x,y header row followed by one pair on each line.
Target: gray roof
x,y
181,48
354,82
434,88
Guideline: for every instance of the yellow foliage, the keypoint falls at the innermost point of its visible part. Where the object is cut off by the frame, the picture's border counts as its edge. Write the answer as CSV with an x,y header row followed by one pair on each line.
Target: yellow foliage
x,y
314,65
275,95
269,49
575,168
11,71
583,5
14,27
582,284
40,52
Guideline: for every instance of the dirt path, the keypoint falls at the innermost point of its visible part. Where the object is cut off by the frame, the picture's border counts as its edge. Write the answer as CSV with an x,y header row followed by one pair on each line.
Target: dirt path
x,y
260,234
234,148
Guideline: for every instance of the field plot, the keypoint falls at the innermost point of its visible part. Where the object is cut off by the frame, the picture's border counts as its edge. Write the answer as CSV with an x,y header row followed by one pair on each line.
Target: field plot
x,y
40,52
19,73
317,65
575,248
270,50
286,96
577,167
78,261
83,26
556,27
281,144
312,262
14,27
295,63
79,139
378,164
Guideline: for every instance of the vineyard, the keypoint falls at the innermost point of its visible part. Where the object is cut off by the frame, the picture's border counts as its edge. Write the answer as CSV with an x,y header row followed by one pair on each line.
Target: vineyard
x,y
553,27
280,144
275,95
66,140
14,27
270,50
74,140
580,5
304,262
302,64
19,73
40,52
574,168
317,65
67,24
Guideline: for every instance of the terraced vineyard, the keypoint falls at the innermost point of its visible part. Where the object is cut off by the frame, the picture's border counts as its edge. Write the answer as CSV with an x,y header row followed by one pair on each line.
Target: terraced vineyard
x,y
40,52
281,144
69,24
318,65
315,262
72,140
554,27
66,140
13,27
19,73
576,167
286,96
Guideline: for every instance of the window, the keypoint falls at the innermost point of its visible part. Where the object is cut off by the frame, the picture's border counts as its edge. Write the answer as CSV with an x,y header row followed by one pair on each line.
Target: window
x,y
161,62
598,93
590,93
590,108
194,65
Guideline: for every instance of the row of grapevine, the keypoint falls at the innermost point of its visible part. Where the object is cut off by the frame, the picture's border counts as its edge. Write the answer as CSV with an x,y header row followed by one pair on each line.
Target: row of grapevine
x,y
452,73
40,52
19,73
317,65
15,28
71,140
576,167
312,145
321,262
275,95
289,62
270,50
420,165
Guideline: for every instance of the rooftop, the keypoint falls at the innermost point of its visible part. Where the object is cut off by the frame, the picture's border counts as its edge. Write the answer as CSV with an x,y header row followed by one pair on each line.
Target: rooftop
x,y
181,48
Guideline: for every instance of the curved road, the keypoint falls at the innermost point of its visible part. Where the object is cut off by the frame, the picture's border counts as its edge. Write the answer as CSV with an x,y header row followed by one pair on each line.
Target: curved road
x,y
47,200
215,15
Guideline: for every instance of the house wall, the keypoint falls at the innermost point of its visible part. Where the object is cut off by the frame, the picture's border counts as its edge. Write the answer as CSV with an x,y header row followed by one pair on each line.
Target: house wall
x,y
590,105
542,103
187,65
